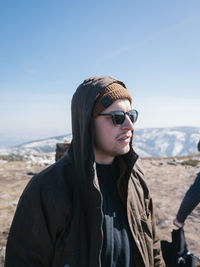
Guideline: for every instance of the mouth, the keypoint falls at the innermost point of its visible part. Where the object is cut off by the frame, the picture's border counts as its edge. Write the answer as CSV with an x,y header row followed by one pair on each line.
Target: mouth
x,y
125,138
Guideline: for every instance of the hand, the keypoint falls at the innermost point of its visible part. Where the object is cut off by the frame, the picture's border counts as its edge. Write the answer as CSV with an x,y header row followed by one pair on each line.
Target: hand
x,y
178,224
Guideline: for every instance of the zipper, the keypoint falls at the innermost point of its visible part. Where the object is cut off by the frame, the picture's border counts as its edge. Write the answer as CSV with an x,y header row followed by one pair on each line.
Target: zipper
x,y
101,245
101,211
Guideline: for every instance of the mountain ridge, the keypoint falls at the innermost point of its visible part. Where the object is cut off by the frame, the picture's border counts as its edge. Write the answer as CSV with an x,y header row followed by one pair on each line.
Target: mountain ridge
x,y
147,142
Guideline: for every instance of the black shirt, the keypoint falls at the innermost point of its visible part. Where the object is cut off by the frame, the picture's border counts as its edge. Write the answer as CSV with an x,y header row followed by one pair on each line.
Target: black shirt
x,y
117,240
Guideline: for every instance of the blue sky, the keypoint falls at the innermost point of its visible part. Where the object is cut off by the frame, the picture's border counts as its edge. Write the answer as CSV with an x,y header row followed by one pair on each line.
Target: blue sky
x,y
47,48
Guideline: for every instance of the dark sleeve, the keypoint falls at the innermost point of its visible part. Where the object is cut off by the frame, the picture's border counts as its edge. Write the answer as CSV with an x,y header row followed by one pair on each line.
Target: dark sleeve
x,y
190,201
34,228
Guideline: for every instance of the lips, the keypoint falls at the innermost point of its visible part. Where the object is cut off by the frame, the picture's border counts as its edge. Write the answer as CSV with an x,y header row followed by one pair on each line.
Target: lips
x,y
125,138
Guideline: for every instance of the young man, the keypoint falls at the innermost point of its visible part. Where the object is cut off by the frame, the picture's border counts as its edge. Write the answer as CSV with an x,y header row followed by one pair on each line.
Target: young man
x,y
91,208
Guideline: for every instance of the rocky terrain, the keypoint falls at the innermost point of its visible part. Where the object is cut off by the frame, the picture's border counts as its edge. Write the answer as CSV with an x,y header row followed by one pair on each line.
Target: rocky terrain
x,y
168,180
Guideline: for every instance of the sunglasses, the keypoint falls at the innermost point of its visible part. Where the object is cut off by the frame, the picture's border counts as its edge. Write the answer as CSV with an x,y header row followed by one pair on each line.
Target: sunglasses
x,y
119,116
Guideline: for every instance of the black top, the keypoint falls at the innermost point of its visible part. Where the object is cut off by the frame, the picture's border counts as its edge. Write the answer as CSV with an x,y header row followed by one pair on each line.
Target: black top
x,y
117,242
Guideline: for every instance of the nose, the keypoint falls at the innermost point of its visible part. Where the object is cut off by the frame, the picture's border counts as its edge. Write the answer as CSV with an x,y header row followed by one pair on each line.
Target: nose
x,y
127,124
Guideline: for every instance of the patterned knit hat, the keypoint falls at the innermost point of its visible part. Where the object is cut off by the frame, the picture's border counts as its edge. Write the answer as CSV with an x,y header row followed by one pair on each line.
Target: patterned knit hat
x,y
110,94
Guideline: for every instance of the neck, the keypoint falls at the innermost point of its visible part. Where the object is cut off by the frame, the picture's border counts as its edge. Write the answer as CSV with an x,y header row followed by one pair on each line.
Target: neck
x,y
103,160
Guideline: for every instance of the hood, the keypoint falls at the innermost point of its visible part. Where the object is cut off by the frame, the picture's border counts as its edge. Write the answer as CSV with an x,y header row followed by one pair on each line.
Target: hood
x,y
81,153
81,148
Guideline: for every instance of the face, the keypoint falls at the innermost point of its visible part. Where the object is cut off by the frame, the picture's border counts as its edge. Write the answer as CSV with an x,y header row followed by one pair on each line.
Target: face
x,y
112,140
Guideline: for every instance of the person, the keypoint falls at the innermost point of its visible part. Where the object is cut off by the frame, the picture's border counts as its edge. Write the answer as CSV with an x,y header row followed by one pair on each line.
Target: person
x,y
198,146
92,207
189,202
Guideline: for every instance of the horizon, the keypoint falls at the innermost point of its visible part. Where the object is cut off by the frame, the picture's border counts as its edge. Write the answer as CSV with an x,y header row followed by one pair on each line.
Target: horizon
x,y
69,133
47,49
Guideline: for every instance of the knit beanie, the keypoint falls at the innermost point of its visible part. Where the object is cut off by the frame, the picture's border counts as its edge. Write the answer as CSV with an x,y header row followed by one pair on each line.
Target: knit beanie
x,y
110,94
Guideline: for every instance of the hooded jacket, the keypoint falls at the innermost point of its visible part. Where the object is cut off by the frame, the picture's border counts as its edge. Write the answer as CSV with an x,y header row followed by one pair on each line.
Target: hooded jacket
x,y
58,220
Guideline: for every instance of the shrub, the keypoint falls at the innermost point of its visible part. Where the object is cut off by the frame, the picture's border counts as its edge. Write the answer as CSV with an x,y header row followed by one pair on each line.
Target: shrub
x,y
12,157
191,162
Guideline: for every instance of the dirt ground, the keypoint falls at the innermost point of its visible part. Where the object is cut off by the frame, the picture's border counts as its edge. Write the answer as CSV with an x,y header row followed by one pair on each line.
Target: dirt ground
x,y
167,178
168,182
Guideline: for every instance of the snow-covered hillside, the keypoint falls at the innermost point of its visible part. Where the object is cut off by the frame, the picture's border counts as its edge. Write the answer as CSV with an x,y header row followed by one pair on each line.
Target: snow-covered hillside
x,y
149,142
166,142
38,151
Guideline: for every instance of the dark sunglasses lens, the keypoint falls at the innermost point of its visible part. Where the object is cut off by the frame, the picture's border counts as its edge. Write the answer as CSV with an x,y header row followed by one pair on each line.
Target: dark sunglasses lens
x,y
133,115
118,118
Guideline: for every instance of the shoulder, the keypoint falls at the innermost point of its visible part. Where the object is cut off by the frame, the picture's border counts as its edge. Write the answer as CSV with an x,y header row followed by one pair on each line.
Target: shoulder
x,y
138,172
47,200
197,181
51,184
138,167
140,190
138,177
198,176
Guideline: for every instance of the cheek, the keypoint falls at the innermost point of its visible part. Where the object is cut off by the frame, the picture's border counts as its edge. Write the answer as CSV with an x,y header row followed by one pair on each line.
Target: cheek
x,y
103,135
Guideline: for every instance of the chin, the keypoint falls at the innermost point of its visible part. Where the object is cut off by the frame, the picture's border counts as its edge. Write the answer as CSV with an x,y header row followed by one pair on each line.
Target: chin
x,y
125,150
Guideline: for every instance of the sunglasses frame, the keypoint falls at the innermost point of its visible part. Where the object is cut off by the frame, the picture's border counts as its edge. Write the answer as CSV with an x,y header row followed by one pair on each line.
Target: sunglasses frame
x,y
112,114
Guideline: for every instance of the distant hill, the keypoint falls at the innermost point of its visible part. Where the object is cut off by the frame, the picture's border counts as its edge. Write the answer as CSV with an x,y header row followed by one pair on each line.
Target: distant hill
x,y
38,151
148,142
166,142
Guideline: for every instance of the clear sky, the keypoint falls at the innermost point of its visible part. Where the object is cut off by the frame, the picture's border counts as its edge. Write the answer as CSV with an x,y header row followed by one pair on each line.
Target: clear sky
x,y
47,48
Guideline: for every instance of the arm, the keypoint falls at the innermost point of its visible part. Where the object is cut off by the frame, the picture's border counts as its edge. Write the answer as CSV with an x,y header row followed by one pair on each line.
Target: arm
x,y
35,226
29,242
158,258
157,252
190,201
178,224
